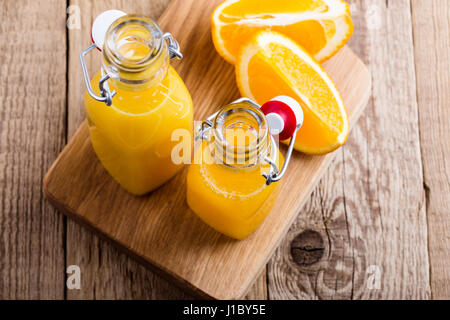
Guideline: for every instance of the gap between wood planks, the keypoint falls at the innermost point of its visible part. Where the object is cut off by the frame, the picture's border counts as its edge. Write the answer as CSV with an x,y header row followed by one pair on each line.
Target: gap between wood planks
x,y
67,139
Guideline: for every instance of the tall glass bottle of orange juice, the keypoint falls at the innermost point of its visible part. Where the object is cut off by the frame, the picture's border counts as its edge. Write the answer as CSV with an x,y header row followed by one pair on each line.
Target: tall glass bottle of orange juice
x,y
136,101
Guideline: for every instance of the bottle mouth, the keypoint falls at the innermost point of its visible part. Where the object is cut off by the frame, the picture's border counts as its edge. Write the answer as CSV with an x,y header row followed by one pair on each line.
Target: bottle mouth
x,y
240,133
134,51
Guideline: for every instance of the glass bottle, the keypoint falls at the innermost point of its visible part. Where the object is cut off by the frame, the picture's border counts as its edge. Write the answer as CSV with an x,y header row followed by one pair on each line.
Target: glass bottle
x,y
137,102
229,184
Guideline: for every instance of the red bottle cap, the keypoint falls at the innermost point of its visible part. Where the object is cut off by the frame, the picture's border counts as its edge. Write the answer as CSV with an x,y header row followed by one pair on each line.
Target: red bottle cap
x,y
284,115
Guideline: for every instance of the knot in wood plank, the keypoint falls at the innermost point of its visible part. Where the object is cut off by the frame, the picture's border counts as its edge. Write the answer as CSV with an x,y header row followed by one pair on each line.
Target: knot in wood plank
x,y
307,248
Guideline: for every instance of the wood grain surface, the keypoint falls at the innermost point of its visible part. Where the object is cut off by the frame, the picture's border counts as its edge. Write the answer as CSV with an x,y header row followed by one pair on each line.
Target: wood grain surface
x,y
32,132
35,122
167,235
368,223
107,273
431,26
99,261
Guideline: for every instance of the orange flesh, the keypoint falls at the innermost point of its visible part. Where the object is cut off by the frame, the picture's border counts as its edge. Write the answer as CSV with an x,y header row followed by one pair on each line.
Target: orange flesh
x,y
264,6
309,34
321,27
265,83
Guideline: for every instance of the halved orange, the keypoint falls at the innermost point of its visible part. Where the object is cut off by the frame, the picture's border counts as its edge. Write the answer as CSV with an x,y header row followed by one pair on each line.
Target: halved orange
x,y
270,65
322,27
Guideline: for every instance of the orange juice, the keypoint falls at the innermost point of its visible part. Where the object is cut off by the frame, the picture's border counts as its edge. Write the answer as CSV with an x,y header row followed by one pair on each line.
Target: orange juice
x,y
133,137
225,186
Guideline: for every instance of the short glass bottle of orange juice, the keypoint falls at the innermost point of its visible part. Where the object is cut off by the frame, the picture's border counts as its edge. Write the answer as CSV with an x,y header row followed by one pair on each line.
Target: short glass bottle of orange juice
x,y
230,183
136,101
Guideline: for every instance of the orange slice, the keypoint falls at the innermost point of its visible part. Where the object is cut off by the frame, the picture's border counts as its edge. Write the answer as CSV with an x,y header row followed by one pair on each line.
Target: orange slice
x,y
270,65
322,27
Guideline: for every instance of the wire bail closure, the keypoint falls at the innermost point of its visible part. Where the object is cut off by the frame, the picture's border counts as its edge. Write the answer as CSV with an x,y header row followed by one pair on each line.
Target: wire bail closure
x,y
274,174
106,94
173,46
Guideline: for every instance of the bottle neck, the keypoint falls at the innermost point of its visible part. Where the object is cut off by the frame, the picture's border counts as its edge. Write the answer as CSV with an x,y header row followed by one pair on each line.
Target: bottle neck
x,y
135,54
240,136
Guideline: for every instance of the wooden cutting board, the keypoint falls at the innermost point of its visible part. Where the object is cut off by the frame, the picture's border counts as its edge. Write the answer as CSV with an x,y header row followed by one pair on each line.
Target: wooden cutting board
x,y
159,229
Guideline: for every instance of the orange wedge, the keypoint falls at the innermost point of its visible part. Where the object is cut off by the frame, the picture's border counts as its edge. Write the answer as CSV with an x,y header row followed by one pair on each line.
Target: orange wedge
x,y
322,27
270,65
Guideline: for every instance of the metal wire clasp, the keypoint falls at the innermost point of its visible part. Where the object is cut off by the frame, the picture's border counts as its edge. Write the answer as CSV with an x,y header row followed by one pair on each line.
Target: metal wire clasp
x,y
106,94
173,46
274,174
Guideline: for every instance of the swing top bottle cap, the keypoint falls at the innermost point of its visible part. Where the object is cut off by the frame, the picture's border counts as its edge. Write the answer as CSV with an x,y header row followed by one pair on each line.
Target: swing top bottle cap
x,y
284,115
101,25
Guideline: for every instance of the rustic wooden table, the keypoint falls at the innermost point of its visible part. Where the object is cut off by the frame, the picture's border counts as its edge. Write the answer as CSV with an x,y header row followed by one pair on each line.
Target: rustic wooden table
x,y
377,226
